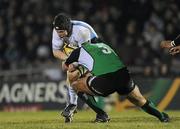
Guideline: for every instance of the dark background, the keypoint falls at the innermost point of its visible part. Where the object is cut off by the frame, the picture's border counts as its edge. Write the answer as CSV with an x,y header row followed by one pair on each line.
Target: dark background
x,y
134,28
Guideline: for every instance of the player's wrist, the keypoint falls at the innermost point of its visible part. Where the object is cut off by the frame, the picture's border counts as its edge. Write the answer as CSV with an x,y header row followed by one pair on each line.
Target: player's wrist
x,y
173,43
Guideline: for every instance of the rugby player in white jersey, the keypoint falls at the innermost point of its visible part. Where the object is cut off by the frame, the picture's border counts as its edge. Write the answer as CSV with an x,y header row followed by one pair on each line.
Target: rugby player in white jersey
x,y
69,33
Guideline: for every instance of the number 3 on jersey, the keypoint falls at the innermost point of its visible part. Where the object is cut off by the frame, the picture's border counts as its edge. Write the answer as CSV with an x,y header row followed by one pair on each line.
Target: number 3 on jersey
x,y
105,49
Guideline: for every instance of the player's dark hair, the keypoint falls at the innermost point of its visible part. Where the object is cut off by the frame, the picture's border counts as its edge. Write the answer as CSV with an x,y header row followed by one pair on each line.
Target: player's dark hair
x,y
62,22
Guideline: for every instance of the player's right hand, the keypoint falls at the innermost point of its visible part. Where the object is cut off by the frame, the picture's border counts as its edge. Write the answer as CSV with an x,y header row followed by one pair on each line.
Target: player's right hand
x,y
174,50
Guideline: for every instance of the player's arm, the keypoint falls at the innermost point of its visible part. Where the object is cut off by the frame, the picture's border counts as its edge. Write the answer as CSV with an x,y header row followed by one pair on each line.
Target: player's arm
x,y
71,65
74,56
60,55
84,35
57,44
166,44
169,44
80,85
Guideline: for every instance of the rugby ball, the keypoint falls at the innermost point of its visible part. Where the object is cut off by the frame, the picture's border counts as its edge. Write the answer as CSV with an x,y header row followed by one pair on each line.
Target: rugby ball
x,y
68,48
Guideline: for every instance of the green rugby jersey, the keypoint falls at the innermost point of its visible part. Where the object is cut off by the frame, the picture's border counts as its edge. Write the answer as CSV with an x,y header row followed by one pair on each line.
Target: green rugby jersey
x,y
104,59
98,58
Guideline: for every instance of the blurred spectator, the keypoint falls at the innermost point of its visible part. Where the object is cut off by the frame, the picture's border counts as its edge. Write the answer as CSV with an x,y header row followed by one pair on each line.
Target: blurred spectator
x,y
153,36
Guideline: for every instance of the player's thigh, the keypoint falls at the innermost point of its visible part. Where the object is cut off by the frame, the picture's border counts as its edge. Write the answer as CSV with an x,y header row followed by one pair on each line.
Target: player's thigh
x,y
102,85
124,82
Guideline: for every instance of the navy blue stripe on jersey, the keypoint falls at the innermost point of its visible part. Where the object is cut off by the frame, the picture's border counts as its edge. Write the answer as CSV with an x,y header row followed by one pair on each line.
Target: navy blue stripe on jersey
x,y
80,23
177,40
74,56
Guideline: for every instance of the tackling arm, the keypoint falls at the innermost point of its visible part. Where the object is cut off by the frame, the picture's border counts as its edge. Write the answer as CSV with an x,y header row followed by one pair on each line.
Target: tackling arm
x,y
170,44
73,57
59,54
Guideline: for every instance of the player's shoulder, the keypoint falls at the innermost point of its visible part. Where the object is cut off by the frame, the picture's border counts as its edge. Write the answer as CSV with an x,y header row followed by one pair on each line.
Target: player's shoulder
x,y
79,23
80,29
54,31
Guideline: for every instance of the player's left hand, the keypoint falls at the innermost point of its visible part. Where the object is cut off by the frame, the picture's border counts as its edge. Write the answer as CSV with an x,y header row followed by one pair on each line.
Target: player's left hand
x,y
72,75
64,66
174,50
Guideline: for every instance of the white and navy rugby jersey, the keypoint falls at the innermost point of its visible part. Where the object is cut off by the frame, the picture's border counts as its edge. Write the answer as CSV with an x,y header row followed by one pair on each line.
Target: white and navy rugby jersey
x,y
81,32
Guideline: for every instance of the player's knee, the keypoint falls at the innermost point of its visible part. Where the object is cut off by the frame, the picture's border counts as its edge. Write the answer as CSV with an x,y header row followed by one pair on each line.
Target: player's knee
x,y
141,101
138,101
136,97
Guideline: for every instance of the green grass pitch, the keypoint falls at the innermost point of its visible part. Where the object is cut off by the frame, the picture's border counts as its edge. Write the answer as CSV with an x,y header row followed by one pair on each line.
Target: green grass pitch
x,y
82,120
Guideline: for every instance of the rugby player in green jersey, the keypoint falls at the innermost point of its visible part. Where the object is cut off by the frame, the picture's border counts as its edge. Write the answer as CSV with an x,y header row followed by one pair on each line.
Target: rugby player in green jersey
x,y
97,70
